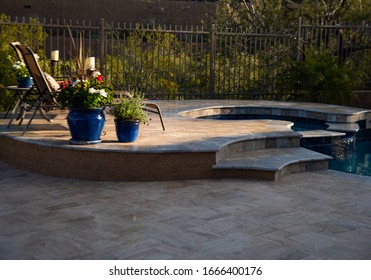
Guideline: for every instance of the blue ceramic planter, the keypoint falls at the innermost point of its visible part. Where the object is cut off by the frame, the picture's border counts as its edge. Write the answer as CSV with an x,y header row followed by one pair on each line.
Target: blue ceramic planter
x,y
25,82
86,125
127,131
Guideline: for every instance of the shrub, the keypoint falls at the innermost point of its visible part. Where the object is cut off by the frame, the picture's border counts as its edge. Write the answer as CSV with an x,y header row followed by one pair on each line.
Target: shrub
x,y
32,36
321,77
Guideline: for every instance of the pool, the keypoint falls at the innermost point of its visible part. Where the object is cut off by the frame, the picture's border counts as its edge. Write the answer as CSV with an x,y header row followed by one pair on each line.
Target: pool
x,y
351,153
357,162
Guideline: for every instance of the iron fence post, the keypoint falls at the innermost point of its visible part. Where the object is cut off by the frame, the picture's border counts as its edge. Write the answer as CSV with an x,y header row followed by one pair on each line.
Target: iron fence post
x,y
101,48
212,62
298,53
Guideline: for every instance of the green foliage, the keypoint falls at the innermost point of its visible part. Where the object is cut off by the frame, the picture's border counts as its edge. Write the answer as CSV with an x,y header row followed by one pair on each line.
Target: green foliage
x,y
129,108
87,94
7,76
357,11
32,35
349,11
234,77
157,64
233,14
361,63
170,87
269,14
20,69
162,66
321,78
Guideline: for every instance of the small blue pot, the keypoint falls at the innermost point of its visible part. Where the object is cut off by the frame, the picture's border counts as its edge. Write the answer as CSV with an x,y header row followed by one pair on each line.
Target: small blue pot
x,y
86,125
127,131
25,82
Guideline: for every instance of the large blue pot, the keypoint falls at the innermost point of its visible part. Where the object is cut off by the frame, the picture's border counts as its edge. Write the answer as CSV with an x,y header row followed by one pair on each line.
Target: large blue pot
x,y
127,131
86,125
25,82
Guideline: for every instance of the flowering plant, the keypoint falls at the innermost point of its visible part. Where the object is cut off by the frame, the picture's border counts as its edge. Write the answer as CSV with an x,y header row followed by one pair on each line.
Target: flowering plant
x,y
129,108
86,93
88,89
21,69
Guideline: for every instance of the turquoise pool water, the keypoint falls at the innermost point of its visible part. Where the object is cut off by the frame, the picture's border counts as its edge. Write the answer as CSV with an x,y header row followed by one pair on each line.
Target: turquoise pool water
x,y
349,155
357,161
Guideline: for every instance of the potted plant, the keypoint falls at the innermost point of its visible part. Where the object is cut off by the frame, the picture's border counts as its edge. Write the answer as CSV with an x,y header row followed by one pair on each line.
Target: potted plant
x,y
23,76
128,114
85,98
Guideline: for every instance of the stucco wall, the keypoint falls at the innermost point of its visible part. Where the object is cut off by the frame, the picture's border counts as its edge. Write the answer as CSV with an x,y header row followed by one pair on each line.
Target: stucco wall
x,y
135,11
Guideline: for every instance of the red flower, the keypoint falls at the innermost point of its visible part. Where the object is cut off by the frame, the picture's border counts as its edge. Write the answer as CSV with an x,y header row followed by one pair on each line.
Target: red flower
x,y
99,78
64,84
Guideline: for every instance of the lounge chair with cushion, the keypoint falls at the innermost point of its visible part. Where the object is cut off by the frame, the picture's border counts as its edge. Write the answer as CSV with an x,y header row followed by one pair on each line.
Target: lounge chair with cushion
x,y
40,96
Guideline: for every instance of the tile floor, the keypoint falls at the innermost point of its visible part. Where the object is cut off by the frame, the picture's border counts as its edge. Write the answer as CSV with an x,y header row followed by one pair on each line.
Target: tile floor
x,y
317,215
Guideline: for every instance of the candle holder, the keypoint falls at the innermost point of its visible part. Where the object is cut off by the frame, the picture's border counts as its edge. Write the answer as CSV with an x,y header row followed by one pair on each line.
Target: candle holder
x,y
54,65
54,61
89,65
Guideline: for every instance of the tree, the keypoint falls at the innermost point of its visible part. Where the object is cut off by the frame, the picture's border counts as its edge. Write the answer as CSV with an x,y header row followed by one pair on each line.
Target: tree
x,y
248,13
281,14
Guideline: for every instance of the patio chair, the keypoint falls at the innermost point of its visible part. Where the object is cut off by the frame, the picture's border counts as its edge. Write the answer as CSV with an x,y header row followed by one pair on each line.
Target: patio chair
x,y
17,51
39,97
52,80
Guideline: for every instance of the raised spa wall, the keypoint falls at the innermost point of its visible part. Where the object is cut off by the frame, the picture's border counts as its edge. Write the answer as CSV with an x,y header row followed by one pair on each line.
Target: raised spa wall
x,y
336,121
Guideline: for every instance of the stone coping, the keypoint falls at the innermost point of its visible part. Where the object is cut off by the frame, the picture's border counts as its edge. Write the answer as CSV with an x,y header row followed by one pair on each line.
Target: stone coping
x,y
322,112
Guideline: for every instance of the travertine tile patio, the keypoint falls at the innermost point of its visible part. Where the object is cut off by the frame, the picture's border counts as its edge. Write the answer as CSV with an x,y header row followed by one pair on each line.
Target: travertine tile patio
x,y
317,215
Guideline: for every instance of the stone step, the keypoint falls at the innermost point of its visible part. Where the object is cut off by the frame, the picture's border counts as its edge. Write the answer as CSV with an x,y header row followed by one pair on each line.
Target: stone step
x,y
326,133
271,164
286,139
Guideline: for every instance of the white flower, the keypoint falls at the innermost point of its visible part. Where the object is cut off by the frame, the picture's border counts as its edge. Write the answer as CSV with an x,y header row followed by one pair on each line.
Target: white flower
x,y
100,91
18,65
103,93
92,90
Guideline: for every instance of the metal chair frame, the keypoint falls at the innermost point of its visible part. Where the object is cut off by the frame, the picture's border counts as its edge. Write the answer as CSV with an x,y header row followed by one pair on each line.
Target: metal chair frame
x,y
147,106
17,51
39,97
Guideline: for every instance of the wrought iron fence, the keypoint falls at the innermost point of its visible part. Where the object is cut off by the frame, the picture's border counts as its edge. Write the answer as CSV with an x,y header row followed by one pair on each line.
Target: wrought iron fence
x,y
188,63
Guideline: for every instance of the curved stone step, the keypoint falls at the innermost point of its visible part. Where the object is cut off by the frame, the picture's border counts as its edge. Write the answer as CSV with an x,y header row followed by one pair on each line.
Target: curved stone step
x,y
287,139
270,164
